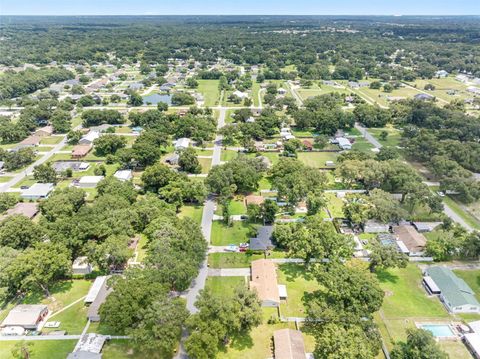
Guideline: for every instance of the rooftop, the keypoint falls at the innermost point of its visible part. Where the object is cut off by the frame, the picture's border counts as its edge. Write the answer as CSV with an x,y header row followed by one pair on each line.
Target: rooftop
x,y
264,280
288,344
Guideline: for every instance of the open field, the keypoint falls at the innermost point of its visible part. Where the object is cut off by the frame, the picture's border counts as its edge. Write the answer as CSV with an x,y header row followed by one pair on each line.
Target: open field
x,y
381,98
239,232
239,260
317,159
209,90
194,212
334,205
224,286
51,349
457,208
393,138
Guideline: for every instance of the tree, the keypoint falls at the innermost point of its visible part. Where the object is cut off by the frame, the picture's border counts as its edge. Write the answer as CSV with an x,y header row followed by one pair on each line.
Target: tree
x,y
109,144
387,154
385,256
45,173
320,141
116,187
315,202
188,161
40,266
162,106
191,83
254,212
7,201
19,232
73,137
60,121
420,344
269,209
182,99
63,202
383,136
22,350
157,176
387,88
160,326
135,99
313,239
111,254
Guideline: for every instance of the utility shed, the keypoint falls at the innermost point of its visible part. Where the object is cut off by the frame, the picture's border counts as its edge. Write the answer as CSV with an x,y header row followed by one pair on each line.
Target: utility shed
x,y
288,344
123,175
455,294
264,281
89,181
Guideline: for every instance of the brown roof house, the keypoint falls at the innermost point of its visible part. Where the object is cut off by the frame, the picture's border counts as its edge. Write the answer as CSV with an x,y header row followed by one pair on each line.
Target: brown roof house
x,y
288,344
27,209
80,151
253,199
264,282
44,131
27,316
415,242
31,141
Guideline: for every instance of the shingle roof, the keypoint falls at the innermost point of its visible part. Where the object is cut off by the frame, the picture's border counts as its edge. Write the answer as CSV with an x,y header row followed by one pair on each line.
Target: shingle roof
x,y
288,344
453,288
264,280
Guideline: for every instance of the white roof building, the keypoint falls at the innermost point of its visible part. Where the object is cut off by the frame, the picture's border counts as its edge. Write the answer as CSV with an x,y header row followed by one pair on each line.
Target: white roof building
x,y
89,138
95,289
81,266
240,94
181,143
472,341
37,191
123,175
89,181
344,143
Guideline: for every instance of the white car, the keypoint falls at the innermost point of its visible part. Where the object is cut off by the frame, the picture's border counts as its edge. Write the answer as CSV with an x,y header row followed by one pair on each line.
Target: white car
x,y
231,248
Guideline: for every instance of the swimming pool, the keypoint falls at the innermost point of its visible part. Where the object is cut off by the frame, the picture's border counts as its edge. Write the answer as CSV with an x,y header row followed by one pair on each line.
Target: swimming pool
x,y
438,330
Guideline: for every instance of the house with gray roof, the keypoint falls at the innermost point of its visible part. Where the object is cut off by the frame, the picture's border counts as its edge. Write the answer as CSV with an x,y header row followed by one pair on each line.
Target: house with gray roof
x,y
263,240
453,292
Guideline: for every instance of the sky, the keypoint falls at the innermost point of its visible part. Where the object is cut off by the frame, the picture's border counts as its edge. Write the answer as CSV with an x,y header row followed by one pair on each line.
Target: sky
x,y
239,7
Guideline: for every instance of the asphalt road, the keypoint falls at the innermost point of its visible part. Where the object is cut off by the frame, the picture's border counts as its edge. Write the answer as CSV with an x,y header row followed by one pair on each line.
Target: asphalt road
x,y
368,136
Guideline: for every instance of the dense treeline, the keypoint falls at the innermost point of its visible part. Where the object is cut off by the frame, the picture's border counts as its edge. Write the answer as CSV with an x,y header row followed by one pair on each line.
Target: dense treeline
x,y
428,44
15,84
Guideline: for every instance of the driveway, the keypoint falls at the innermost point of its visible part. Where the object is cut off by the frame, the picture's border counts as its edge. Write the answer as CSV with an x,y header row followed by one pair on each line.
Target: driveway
x,y
368,136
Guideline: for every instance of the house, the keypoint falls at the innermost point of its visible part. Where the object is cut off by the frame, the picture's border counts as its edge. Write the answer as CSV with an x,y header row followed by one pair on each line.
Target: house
x,y
344,143
415,242
472,342
135,86
27,316
473,89
253,199
76,166
89,181
239,94
89,138
123,175
264,282
27,209
101,128
265,160
81,266
462,78
89,347
80,151
181,143
288,344
423,97
44,131
453,292
172,159
93,310
372,226
353,84
37,191
30,141
441,74
263,239
95,289
423,227
282,91
307,145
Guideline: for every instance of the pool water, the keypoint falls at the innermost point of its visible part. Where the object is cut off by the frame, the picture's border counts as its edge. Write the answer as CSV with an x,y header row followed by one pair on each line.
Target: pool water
x,y
439,330
156,98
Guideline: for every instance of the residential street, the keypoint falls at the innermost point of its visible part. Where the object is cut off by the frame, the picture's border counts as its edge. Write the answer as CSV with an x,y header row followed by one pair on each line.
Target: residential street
x,y
368,136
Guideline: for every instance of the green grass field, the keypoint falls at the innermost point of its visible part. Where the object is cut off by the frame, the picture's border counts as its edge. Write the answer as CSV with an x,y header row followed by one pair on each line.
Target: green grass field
x,y
362,144
239,260
206,163
45,349
51,140
227,155
317,159
298,284
467,217
209,90
334,205
223,235
393,138
224,286
194,212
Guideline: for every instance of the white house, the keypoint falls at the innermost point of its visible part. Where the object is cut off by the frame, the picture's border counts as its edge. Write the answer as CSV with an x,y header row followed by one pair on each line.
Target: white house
x,y
123,175
441,74
240,94
181,143
81,266
89,181
89,138
344,143
462,78
37,191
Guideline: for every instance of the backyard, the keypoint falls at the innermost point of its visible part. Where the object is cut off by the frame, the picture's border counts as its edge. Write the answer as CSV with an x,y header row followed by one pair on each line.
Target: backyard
x,y
239,232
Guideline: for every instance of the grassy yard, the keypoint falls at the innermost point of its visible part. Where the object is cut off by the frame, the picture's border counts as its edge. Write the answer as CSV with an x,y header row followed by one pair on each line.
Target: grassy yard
x,y
51,140
209,90
194,212
206,163
393,138
317,159
239,260
73,319
298,284
4,179
335,205
467,217
224,286
228,155
239,232
51,349
121,349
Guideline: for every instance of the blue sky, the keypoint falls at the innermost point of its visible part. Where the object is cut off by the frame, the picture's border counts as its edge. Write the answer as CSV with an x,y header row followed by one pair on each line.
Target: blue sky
x,y
239,7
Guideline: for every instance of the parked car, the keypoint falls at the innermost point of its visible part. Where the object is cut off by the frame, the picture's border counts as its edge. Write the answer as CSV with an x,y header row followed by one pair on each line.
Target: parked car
x,y
231,248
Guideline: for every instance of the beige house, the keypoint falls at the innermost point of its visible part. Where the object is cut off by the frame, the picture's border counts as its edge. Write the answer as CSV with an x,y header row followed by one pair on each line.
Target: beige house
x,y
288,344
415,242
264,282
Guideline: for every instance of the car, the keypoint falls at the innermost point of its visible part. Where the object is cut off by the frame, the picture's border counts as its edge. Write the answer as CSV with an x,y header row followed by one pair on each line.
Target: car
x,y
24,187
441,194
231,248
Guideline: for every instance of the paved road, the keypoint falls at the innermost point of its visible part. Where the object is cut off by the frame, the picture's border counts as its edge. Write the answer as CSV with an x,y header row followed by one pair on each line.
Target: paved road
x,y
368,136
456,218
295,94
4,187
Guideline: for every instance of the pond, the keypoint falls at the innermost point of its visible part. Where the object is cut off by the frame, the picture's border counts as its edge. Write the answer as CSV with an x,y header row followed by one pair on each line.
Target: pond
x,y
156,98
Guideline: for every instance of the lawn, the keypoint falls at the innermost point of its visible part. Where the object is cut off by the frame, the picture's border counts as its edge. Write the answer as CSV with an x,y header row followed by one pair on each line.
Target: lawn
x,y
255,91
209,90
405,296
224,286
51,140
51,349
194,212
393,138
317,159
206,163
4,179
123,349
142,248
380,97
298,284
72,320
239,260
228,155
362,144
239,232
334,205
